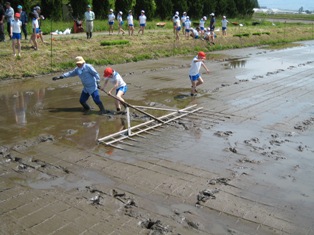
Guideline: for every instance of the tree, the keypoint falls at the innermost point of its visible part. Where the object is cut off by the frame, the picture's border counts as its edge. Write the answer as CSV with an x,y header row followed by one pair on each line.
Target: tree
x,y
210,7
232,10
79,8
196,9
100,8
180,6
147,5
123,5
52,9
164,9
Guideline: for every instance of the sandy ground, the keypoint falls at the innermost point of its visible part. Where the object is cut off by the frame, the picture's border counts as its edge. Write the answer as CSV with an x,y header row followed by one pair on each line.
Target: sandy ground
x,y
241,164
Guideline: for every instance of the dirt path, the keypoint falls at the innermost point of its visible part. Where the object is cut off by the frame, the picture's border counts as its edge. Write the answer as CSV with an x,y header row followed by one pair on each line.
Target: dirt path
x,y
241,165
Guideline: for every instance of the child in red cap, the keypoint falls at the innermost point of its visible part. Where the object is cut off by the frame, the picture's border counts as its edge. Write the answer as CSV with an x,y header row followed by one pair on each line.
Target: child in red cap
x,y
194,72
15,33
115,78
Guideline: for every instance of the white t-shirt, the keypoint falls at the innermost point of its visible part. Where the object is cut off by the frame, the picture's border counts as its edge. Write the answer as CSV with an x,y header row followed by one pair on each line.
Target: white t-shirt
x,y
183,19
187,24
130,19
35,24
117,78
202,23
111,17
195,32
224,23
195,67
16,26
142,19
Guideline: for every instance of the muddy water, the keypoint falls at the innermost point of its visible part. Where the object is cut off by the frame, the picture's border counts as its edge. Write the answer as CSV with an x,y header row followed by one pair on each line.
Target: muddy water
x,y
255,128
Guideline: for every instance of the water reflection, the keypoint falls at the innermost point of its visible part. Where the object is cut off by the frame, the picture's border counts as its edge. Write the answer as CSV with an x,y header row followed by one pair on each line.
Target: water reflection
x,y
21,100
235,64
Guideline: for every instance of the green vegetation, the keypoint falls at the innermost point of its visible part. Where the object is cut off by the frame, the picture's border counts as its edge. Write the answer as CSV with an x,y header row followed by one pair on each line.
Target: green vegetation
x,y
114,42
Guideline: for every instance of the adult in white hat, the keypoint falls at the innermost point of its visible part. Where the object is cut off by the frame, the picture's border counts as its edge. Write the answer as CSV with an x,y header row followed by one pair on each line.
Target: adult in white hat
x,y
90,80
89,18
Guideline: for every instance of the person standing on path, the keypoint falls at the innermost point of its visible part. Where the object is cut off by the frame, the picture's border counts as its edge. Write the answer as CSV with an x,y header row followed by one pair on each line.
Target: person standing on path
x,y
120,22
9,15
90,80
23,19
89,19
15,33
2,18
119,85
194,72
35,31
177,27
183,19
202,25
142,19
224,23
130,23
212,25
187,27
111,18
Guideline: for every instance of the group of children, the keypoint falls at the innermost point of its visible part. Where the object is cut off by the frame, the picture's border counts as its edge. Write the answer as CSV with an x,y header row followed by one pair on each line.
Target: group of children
x,y
130,21
201,31
16,30
90,16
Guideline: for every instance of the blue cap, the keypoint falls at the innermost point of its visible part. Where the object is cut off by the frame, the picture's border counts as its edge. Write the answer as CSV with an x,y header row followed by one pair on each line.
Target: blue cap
x,y
19,7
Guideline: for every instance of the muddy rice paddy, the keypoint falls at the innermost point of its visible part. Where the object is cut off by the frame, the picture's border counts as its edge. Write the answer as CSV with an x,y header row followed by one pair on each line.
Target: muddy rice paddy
x,y
242,164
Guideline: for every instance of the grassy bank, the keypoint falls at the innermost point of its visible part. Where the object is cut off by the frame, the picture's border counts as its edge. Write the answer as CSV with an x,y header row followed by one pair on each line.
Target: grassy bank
x,y
104,49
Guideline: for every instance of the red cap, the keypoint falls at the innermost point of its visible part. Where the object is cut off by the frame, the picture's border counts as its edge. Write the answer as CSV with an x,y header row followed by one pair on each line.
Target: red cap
x,y
202,55
17,15
108,72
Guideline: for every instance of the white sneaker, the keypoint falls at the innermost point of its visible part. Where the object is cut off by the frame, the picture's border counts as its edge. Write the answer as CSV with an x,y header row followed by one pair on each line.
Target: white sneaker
x,y
19,54
14,55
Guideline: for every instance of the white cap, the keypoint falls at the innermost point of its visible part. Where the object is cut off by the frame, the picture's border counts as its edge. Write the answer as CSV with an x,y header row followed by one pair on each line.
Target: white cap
x,y
143,11
204,17
224,17
212,14
120,12
184,13
111,10
177,13
188,17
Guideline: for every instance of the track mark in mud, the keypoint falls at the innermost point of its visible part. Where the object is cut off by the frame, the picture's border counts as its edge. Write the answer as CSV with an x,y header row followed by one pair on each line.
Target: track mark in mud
x,y
304,125
156,226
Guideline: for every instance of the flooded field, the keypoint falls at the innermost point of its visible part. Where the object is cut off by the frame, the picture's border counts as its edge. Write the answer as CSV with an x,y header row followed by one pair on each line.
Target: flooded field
x,y
241,164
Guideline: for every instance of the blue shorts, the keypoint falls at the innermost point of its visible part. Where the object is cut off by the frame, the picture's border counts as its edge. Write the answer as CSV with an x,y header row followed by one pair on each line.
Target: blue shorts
x,y
224,28
202,28
183,24
187,30
36,30
110,23
16,36
194,77
142,25
131,25
121,23
123,89
178,28
196,37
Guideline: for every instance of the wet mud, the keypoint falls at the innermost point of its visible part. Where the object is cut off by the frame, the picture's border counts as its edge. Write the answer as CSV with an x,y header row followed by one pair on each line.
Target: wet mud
x,y
241,164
